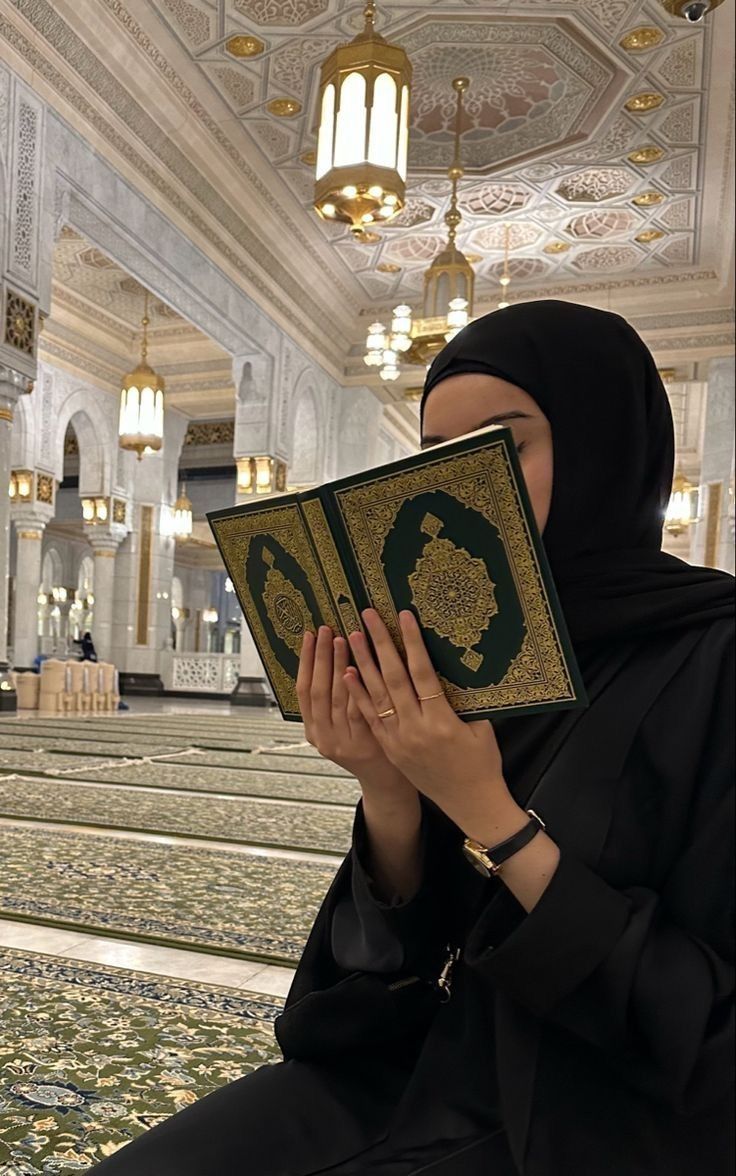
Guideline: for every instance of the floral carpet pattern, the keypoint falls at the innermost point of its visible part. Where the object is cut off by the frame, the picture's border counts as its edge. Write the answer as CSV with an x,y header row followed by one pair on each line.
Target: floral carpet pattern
x,y
229,901
91,1056
233,818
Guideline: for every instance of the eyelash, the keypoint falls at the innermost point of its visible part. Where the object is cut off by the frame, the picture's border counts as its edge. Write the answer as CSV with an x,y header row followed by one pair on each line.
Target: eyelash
x,y
521,446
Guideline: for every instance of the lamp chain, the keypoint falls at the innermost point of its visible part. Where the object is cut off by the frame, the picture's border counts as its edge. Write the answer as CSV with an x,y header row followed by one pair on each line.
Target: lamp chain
x,y
144,322
455,172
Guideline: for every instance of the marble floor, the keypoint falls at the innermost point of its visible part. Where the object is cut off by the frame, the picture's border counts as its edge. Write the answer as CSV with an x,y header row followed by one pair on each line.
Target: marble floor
x,y
195,965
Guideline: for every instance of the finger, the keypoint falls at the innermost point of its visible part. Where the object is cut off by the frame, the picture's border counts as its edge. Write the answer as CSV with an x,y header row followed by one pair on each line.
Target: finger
x,y
321,692
365,705
393,670
340,660
422,672
369,672
304,675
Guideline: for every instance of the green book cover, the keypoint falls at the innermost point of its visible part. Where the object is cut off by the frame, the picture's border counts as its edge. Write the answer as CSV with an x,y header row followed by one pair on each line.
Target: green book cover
x,y
448,533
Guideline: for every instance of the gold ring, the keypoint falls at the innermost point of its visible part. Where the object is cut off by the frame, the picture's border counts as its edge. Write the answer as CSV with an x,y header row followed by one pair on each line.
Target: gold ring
x,y
428,696
385,714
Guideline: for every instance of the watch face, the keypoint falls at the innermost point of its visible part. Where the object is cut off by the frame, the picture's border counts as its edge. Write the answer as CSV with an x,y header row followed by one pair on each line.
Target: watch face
x,y
476,862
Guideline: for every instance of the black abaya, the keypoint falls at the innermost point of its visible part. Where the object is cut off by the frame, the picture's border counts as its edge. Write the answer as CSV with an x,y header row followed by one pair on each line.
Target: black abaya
x,y
597,1029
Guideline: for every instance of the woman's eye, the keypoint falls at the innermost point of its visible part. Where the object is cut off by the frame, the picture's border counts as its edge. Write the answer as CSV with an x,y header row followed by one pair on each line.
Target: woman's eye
x,y
520,446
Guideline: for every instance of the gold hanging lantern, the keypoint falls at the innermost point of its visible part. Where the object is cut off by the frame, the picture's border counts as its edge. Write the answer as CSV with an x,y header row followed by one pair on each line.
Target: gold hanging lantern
x,y
449,283
182,517
141,427
363,142
449,289
680,514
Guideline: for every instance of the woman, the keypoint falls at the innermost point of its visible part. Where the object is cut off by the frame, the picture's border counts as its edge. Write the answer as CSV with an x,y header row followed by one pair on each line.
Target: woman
x,y
588,1027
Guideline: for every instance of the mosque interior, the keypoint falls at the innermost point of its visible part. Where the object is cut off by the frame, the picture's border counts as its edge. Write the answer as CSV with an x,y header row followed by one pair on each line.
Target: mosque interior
x,y
159,171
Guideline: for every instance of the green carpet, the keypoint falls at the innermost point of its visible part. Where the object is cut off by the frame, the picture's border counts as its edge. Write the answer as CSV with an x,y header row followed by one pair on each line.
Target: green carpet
x,y
239,903
186,773
93,1056
256,822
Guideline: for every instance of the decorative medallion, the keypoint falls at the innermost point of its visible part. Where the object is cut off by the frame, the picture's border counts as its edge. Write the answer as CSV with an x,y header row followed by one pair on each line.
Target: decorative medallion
x,y
646,155
243,46
602,222
45,489
595,184
647,199
452,592
118,510
309,158
557,247
640,39
649,235
284,107
367,237
388,267
19,322
642,103
286,607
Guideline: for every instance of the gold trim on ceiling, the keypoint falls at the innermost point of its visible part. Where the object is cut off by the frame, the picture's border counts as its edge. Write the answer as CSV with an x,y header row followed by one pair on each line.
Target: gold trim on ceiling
x,y
642,38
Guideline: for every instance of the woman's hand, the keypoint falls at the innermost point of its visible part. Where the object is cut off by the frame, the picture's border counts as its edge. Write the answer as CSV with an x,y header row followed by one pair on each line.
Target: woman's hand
x,y
457,765
333,722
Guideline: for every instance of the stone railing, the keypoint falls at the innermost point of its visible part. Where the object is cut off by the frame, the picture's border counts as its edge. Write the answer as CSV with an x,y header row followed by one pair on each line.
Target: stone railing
x,y
205,673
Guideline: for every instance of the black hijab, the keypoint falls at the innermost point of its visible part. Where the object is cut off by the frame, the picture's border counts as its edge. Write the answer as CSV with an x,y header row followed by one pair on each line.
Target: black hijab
x,y
612,433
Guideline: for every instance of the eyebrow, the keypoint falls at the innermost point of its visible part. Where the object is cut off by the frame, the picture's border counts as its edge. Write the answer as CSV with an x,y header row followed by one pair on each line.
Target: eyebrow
x,y
494,420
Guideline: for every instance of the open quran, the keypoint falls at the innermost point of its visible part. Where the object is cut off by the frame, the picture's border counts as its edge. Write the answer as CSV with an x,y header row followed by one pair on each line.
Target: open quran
x,y
448,533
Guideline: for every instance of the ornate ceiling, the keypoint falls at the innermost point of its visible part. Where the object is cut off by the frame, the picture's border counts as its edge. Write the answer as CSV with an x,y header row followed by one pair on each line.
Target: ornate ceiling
x,y
600,131
568,95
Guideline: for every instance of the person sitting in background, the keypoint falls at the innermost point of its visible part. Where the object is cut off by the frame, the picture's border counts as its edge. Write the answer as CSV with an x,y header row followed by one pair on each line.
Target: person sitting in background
x,y
88,649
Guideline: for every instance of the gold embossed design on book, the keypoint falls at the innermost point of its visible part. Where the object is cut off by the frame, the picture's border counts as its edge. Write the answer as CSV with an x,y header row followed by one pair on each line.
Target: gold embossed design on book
x,y
483,481
235,535
286,607
452,592
324,543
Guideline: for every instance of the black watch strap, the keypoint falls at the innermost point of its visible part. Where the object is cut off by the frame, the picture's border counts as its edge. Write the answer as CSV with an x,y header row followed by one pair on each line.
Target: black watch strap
x,y
500,853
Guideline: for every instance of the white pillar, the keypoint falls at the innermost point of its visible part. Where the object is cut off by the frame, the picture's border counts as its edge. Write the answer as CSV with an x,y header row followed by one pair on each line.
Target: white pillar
x,y
8,396
712,540
104,551
27,582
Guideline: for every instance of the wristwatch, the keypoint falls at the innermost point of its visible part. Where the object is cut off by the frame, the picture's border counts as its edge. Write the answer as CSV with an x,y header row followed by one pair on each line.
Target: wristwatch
x,y
489,861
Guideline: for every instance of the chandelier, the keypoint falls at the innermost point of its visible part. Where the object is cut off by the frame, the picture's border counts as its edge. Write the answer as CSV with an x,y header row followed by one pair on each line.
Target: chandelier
x,y
182,517
680,514
363,140
449,285
141,427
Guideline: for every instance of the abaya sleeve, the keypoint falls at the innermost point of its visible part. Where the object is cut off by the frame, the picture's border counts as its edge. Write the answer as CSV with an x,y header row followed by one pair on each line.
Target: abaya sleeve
x,y
369,934
644,973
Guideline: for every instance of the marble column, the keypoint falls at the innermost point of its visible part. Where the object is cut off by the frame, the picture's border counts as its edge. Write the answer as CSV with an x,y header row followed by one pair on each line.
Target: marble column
x,y
104,551
29,534
712,539
8,396
252,687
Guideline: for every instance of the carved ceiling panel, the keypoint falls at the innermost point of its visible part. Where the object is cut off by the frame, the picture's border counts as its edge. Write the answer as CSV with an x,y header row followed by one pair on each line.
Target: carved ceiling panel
x,y
546,122
586,138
